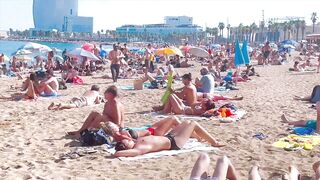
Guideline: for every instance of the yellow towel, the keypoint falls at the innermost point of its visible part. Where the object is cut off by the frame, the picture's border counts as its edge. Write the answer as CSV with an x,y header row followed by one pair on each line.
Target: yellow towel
x,y
294,141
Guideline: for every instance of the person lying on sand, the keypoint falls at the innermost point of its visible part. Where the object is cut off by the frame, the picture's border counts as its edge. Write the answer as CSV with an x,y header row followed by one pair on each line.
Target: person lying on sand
x,y
225,170
313,124
313,95
174,140
113,111
176,106
89,98
159,128
296,67
217,97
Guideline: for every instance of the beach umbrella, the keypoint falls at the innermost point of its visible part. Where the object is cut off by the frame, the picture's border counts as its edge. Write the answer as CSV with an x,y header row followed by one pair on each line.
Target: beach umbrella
x,y
58,58
199,52
56,50
166,51
291,42
289,46
6,58
24,58
79,52
88,47
245,53
36,46
178,51
22,52
185,48
215,46
238,58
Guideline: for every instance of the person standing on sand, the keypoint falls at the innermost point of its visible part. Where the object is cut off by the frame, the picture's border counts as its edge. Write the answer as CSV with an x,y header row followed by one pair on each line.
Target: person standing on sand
x,y
149,55
113,111
266,50
115,57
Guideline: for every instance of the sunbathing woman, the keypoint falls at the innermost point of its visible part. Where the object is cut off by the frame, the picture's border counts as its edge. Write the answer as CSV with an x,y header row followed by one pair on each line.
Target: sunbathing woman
x,y
313,124
217,97
28,85
176,106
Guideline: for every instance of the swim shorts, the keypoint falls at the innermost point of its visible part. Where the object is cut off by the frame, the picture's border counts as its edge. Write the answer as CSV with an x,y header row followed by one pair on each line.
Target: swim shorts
x,y
311,124
172,142
79,102
53,94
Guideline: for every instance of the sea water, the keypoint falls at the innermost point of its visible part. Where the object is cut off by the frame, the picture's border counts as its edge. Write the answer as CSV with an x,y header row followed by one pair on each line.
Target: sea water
x,y
9,47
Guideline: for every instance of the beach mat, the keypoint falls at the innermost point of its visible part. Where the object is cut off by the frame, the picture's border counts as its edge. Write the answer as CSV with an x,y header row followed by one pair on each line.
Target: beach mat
x,y
221,90
295,142
239,114
191,145
130,87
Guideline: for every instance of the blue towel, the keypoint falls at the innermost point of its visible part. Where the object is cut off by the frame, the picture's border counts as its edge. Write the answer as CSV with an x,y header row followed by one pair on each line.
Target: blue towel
x,y
303,131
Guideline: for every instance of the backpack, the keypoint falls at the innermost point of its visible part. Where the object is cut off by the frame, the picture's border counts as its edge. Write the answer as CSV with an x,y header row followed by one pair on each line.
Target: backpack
x,y
315,96
94,137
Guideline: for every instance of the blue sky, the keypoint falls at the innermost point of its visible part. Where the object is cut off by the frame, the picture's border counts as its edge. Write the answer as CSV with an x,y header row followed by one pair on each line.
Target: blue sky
x,y
109,14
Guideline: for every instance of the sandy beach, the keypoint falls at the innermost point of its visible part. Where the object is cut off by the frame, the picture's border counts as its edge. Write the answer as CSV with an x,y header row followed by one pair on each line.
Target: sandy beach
x,y
33,138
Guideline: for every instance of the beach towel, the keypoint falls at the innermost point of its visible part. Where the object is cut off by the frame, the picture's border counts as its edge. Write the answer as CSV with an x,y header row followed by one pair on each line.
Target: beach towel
x,y
303,131
166,95
221,89
239,114
130,88
191,145
295,142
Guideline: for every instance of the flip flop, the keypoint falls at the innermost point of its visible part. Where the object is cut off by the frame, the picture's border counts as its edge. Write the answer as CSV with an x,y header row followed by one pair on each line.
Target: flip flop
x,y
260,136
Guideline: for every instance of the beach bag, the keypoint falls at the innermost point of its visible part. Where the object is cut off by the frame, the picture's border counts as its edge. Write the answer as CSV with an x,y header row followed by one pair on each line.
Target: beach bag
x,y
315,96
94,137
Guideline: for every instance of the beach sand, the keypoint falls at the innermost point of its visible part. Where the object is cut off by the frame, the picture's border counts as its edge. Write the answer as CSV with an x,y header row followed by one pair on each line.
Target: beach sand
x,y
32,138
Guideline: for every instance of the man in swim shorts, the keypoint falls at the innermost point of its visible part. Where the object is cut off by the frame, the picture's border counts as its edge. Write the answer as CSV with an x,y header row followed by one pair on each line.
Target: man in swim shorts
x,y
50,86
87,99
175,140
312,124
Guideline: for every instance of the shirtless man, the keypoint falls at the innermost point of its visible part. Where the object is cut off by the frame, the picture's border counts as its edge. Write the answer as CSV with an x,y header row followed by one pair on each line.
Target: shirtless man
x,y
89,98
266,50
49,86
175,140
115,57
113,111
189,92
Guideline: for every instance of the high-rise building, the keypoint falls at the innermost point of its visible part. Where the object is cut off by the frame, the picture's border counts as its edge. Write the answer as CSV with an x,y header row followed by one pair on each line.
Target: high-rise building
x,y
55,14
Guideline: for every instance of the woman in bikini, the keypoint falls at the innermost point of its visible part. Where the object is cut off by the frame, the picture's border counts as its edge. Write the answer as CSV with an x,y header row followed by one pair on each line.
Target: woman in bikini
x,y
176,106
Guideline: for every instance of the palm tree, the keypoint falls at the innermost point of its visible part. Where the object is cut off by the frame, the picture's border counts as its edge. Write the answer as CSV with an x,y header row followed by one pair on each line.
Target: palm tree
x,y
240,32
228,29
276,27
290,29
303,28
253,29
314,19
297,24
262,25
270,30
221,27
285,29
